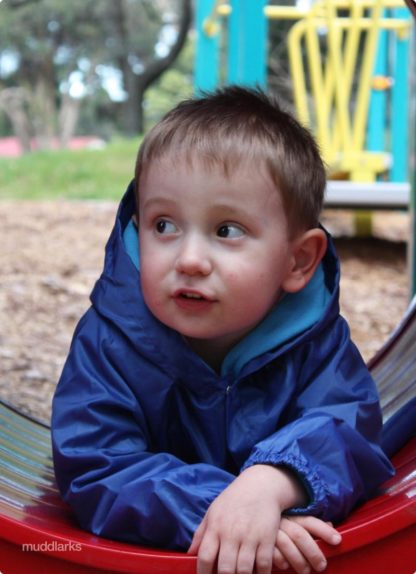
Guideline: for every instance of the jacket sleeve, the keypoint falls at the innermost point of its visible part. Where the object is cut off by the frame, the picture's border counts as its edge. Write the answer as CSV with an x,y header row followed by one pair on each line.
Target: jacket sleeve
x,y
331,436
104,467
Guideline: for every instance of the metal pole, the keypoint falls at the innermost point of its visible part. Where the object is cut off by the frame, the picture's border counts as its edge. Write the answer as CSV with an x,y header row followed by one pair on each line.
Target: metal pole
x,y
412,171
399,97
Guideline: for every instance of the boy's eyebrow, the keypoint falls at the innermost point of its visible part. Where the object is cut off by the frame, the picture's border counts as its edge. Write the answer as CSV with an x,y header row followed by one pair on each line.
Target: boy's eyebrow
x,y
157,200
230,208
221,205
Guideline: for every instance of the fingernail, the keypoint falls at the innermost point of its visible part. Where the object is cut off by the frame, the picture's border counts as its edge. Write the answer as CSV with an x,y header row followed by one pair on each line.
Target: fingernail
x,y
336,539
321,566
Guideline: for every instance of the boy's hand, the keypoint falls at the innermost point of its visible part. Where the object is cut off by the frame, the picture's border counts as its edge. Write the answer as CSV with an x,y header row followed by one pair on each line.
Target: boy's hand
x,y
238,532
296,547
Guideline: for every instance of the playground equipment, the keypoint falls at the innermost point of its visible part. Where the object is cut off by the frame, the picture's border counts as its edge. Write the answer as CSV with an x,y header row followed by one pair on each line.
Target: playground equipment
x,y
38,533
349,63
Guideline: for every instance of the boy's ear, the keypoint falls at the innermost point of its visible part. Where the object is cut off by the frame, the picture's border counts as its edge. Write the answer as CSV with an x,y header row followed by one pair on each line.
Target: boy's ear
x,y
307,253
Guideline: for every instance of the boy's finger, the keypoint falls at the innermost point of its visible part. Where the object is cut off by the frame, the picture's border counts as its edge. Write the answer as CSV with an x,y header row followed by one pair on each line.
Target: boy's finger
x,y
291,553
245,560
196,540
279,560
306,545
207,555
227,558
264,557
318,528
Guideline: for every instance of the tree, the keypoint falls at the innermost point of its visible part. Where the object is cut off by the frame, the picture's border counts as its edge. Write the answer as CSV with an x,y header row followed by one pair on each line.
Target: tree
x,y
53,55
43,46
171,87
137,78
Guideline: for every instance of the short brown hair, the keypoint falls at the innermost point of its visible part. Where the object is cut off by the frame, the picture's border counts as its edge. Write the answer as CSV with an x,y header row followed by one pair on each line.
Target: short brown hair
x,y
234,126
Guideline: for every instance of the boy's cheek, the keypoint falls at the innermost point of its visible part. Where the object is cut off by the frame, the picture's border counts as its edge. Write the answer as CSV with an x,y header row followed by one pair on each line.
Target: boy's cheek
x,y
149,295
152,271
145,281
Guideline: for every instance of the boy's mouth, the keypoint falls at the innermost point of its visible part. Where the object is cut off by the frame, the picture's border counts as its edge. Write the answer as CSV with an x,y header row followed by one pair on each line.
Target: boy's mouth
x,y
192,299
191,296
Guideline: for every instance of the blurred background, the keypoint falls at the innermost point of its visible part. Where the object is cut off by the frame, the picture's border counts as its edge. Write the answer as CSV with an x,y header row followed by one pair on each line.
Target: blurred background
x,y
85,74
82,81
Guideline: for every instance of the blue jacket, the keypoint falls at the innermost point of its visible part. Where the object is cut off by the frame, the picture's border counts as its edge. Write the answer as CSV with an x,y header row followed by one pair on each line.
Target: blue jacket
x,y
146,435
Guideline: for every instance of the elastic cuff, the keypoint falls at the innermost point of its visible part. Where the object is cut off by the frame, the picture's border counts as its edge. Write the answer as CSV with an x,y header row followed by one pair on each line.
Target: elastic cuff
x,y
310,480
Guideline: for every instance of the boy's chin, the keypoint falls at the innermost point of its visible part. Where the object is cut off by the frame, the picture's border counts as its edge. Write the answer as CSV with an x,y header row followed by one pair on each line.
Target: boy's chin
x,y
218,340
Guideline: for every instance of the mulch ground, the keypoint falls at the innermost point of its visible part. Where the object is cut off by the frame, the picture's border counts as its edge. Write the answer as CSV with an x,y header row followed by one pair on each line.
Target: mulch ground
x,y
51,254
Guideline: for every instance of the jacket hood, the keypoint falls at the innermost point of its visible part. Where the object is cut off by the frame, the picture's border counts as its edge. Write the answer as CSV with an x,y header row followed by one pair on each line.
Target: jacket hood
x,y
117,297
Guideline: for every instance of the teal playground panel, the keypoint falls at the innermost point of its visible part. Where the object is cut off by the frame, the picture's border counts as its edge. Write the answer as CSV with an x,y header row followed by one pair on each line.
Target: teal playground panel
x,y
247,53
247,44
393,65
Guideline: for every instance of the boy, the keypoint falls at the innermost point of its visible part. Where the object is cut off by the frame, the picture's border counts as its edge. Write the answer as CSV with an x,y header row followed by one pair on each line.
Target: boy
x,y
212,399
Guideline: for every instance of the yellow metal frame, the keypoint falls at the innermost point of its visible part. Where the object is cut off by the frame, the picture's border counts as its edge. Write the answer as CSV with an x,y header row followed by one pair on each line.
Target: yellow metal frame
x,y
351,29
340,129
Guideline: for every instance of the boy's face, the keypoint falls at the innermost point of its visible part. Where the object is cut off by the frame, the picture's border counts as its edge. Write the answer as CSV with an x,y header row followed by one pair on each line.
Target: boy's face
x,y
214,250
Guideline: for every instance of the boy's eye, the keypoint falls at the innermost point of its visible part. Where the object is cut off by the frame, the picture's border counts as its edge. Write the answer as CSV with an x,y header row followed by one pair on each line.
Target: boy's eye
x,y
229,231
163,227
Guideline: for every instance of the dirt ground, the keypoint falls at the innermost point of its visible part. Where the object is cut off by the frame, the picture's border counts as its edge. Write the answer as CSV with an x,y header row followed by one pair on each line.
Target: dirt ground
x,y
51,253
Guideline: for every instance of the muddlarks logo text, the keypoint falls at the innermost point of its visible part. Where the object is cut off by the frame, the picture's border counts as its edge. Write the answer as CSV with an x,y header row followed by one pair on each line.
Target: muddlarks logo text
x,y
53,546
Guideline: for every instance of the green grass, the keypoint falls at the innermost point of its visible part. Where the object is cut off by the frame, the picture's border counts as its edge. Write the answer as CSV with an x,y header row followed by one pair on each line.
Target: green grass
x,y
65,174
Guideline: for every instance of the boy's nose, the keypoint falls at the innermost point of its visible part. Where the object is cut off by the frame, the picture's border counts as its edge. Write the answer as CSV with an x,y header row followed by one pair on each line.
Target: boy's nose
x,y
193,258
